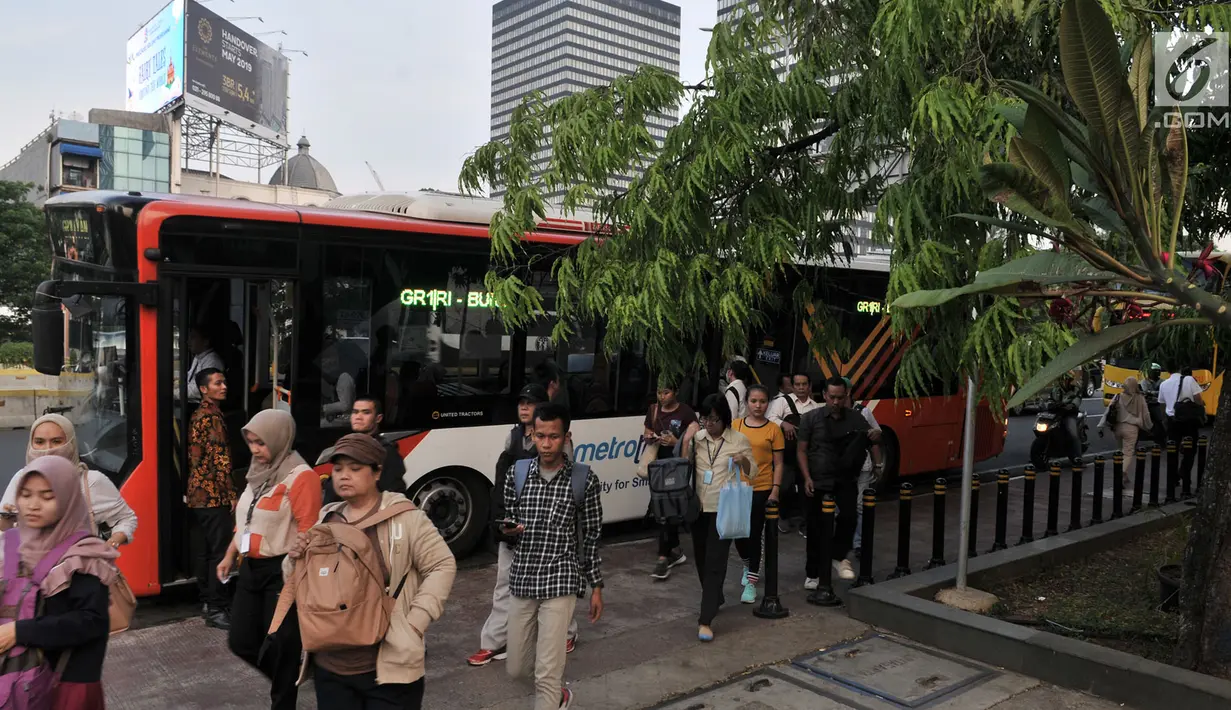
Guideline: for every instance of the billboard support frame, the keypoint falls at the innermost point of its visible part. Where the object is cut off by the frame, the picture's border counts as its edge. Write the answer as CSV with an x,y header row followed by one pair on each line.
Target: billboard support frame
x,y
208,139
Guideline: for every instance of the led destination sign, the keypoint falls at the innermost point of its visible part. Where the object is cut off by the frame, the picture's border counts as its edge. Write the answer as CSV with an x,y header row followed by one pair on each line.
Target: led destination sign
x,y
441,298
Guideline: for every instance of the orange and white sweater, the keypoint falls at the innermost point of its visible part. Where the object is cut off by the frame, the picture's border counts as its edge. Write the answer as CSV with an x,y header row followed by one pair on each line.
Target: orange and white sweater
x,y
280,514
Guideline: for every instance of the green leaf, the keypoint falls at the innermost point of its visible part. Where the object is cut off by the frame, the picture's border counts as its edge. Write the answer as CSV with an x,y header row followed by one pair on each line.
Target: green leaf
x,y
1083,351
1042,268
1034,158
1139,77
1090,58
1042,133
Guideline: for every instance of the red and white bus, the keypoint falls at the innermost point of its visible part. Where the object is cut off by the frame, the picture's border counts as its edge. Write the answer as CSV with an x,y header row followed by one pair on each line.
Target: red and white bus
x,y
387,292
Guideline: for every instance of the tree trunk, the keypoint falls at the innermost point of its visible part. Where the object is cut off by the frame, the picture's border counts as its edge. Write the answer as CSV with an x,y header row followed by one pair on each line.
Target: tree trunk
x,y
1205,643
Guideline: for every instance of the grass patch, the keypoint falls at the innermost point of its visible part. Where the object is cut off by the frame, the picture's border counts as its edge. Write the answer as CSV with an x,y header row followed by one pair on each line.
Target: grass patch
x,y
1110,599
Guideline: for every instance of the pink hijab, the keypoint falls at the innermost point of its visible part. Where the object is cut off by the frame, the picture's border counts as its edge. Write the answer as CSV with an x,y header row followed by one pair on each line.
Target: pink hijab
x,y
66,450
90,555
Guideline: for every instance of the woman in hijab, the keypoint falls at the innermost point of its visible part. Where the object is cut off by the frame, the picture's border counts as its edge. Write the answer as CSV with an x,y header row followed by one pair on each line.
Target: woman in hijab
x,y
282,499
1128,414
110,516
74,617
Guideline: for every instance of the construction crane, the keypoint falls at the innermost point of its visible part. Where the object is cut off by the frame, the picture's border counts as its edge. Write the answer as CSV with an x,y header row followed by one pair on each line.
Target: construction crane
x,y
375,177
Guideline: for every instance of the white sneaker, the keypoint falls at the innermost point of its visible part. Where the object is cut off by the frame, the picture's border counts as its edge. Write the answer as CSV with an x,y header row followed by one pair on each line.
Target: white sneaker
x,y
843,569
812,583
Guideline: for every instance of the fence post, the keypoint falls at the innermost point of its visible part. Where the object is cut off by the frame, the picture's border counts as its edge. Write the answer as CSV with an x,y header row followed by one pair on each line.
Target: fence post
x,y
973,531
1028,507
1156,460
1139,479
1203,448
905,494
1117,486
1186,468
771,605
1096,515
824,596
1075,491
1053,501
1002,510
1173,470
868,538
938,524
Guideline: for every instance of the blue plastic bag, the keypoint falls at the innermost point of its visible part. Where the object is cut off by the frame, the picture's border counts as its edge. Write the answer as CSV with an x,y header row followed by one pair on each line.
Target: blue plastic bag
x,y
734,508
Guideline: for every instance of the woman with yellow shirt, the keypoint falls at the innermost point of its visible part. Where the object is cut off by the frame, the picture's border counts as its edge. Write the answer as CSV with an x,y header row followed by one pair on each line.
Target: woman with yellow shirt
x,y
768,444
719,454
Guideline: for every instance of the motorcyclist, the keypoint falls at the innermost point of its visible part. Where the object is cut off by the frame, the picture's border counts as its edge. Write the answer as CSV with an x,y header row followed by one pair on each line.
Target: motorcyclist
x,y
1154,378
1066,401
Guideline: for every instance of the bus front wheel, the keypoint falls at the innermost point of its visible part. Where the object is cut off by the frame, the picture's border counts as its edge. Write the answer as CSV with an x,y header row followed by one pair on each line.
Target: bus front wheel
x,y
457,500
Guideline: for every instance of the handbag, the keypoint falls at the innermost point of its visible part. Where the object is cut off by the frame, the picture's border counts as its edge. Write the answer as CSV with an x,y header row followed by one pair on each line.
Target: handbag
x,y
122,601
734,519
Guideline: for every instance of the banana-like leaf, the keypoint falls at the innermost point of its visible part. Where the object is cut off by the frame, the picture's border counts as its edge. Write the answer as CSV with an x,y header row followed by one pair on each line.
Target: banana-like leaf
x,y
1078,354
1099,211
1042,133
1076,140
1090,59
1003,224
1042,268
1139,79
1033,158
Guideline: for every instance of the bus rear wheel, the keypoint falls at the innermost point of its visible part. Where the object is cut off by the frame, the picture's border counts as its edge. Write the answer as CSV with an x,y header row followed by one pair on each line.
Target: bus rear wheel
x,y
457,500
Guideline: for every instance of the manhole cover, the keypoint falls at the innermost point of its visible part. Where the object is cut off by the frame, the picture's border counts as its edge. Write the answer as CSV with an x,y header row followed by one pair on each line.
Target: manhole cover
x,y
892,670
764,690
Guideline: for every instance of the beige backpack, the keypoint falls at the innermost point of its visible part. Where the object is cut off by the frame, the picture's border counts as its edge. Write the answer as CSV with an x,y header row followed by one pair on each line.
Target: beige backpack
x,y
338,587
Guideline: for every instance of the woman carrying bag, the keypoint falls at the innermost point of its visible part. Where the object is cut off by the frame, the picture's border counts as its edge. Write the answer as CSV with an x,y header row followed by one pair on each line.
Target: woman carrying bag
x,y
719,455
1127,416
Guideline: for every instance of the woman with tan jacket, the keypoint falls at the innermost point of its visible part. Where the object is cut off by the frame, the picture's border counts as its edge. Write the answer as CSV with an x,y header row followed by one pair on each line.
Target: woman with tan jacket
x,y
389,674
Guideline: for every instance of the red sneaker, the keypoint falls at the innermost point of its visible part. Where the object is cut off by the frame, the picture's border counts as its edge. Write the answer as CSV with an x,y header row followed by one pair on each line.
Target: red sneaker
x,y
566,698
570,645
485,656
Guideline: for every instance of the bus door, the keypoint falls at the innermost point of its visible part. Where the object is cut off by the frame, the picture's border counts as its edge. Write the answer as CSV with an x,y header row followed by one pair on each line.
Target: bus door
x,y
242,326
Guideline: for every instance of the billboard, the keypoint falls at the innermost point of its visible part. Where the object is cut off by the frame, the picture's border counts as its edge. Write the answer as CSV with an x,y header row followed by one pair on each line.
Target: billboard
x,y
233,76
155,71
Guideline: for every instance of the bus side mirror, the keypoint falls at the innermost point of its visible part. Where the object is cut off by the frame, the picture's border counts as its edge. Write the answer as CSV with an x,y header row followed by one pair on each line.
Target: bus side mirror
x,y
47,319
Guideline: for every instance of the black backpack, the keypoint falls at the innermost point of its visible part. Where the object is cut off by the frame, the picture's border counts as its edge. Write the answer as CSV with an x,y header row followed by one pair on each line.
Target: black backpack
x,y
673,490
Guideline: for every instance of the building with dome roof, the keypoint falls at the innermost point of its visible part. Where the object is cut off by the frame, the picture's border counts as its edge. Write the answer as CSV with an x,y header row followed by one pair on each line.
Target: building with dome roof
x,y
302,180
302,170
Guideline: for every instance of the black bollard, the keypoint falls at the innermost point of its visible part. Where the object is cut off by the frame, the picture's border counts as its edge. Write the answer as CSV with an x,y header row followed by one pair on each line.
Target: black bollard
x,y
771,606
823,595
1028,507
1002,510
1053,501
1117,486
1156,459
938,525
904,502
1076,494
1173,471
972,533
867,538
1203,448
1186,467
1139,480
1096,515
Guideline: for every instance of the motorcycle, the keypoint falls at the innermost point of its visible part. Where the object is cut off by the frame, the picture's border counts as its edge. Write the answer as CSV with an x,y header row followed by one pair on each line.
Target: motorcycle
x,y
1051,439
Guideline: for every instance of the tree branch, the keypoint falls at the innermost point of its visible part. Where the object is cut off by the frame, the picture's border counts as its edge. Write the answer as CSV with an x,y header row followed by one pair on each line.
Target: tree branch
x,y
807,141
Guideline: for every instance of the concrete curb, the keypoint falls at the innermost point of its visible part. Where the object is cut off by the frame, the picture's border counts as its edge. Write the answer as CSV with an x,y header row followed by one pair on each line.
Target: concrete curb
x,y
905,606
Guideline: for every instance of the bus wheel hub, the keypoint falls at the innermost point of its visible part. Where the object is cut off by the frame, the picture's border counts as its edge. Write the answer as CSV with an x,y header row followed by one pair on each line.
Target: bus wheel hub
x,y
446,503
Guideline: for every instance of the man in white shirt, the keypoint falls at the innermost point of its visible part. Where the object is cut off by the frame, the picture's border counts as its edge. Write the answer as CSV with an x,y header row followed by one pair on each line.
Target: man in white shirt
x,y
787,412
204,357
1178,388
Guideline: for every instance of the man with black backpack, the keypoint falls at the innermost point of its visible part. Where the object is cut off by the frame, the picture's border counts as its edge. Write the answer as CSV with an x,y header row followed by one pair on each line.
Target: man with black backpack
x,y
519,446
554,510
665,426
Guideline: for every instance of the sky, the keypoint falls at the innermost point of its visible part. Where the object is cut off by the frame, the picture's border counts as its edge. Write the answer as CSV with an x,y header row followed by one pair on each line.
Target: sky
x,y
402,84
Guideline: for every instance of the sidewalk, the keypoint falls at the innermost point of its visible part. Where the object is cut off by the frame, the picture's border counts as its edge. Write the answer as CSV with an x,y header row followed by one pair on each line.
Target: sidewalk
x,y
642,654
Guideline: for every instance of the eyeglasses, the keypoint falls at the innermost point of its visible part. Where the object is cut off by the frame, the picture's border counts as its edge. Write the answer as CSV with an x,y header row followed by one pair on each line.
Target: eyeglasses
x,y
710,420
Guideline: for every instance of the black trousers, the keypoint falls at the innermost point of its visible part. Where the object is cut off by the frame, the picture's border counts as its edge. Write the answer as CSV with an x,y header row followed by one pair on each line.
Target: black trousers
x,y
710,557
1177,431
749,548
360,692
252,610
668,538
846,495
214,526
793,503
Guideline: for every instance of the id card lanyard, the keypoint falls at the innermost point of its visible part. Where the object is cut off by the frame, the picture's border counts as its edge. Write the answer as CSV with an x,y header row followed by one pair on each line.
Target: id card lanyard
x,y
708,476
245,540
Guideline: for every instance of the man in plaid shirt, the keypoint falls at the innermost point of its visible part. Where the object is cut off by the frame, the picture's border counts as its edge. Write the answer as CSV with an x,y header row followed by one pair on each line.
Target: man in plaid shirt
x,y
554,560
